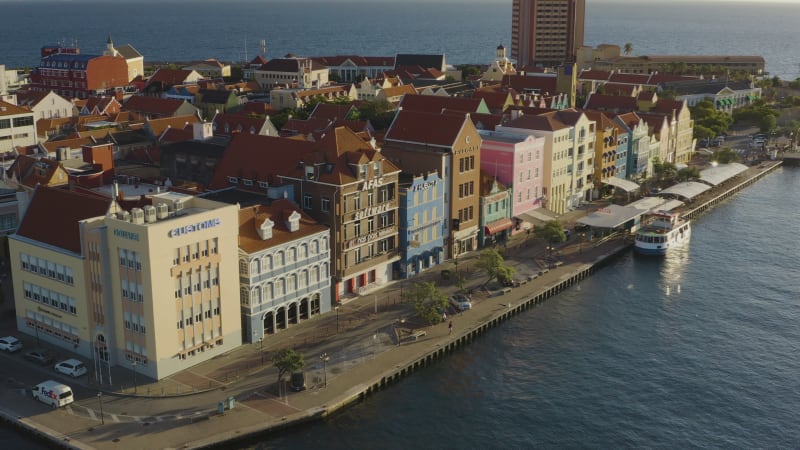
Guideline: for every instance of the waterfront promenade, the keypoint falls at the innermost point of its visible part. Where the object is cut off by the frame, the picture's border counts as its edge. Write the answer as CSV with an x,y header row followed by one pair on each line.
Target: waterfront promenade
x,y
363,352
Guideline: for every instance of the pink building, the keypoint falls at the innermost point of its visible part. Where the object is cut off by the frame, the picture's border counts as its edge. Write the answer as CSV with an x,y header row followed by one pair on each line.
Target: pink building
x,y
517,161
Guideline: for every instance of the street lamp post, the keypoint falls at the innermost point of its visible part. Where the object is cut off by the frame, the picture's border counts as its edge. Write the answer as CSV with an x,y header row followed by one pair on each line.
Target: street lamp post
x,y
100,399
324,357
133,364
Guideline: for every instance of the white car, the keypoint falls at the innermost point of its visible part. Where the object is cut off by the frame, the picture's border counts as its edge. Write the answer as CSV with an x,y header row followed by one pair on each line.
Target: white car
x,y
10,344
460,302
71,367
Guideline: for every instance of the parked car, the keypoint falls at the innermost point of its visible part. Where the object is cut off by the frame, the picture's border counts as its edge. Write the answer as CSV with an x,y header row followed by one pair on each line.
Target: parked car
x,y
71,367
39,357
10,344
461,302
297,382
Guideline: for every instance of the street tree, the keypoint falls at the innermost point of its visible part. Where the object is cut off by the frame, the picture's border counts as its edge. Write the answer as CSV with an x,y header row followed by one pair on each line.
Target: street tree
x,y
688,173
551,232
287,361
492,262
429,301
664,170
709,122
725,156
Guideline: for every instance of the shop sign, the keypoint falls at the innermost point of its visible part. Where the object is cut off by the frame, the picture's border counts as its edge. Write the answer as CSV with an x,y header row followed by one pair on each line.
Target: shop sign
x,y
371,184
358,215
361,240
126,234
425,186
192,227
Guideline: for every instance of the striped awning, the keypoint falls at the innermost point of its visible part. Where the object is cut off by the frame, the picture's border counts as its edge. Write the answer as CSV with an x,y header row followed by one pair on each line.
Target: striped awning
x,y
499,225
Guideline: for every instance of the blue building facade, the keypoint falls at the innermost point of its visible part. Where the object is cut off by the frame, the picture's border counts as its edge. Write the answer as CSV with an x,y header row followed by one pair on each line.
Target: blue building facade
x,y
422,225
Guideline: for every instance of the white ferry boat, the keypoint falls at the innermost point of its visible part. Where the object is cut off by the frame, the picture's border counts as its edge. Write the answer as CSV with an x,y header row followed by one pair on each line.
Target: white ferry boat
x,y
661,231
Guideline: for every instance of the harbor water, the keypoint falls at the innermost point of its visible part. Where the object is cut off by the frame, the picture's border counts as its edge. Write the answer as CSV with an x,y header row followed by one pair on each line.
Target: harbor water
x,y
698,349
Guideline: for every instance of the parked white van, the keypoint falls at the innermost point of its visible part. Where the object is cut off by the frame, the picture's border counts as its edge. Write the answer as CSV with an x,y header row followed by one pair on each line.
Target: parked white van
x,y
53,393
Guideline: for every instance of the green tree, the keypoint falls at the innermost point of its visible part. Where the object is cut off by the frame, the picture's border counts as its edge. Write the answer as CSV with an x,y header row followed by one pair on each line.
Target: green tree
x,y
279,119
469,71
379,112
725,156
429,301
688,173
552,232
664,170
767,122
627,48
709,122
287,361
492,262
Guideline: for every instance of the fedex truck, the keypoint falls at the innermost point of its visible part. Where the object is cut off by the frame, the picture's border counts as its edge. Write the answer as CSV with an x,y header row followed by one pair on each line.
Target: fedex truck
x,y
53,393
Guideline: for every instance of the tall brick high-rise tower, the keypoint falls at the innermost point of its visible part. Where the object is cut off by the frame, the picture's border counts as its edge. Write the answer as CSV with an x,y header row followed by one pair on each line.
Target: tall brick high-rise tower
x,y
546,32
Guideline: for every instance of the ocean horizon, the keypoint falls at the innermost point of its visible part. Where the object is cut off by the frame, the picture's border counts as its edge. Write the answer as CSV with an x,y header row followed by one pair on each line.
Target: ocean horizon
x,y
466,32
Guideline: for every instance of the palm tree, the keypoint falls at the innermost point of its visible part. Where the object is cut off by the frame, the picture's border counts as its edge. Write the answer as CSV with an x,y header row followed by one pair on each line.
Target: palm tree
x,y
628,48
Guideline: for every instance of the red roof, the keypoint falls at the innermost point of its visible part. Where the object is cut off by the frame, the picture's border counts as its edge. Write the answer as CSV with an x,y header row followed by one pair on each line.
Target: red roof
x,y
630,78
426,128
603,102
597,75
436,104
153,105
53,217
252,217
169,77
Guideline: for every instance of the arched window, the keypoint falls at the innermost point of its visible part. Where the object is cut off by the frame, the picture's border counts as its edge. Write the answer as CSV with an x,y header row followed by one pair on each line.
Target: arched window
x,y
269,291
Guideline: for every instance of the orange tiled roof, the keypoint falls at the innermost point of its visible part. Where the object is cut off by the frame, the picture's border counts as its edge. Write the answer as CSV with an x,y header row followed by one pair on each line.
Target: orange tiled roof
x,y
278,211
180,122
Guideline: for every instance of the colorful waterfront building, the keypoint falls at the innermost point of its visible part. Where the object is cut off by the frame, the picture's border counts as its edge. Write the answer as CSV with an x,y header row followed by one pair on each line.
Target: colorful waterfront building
x,y
284,258
638,145
569,152
516,160
135,278
420,142
422,223
496,223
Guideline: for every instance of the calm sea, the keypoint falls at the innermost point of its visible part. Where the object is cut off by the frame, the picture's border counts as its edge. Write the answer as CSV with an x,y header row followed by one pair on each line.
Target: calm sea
x,y
695,350
466,33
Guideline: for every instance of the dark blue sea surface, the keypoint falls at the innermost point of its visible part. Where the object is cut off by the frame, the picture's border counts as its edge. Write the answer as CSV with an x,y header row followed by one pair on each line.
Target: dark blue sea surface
x,y
695,350
465,32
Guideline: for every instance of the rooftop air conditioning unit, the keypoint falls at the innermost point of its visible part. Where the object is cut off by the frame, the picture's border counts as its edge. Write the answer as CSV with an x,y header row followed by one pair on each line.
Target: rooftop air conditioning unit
x,y
162,211
177,205
137,216
124,216
149,213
